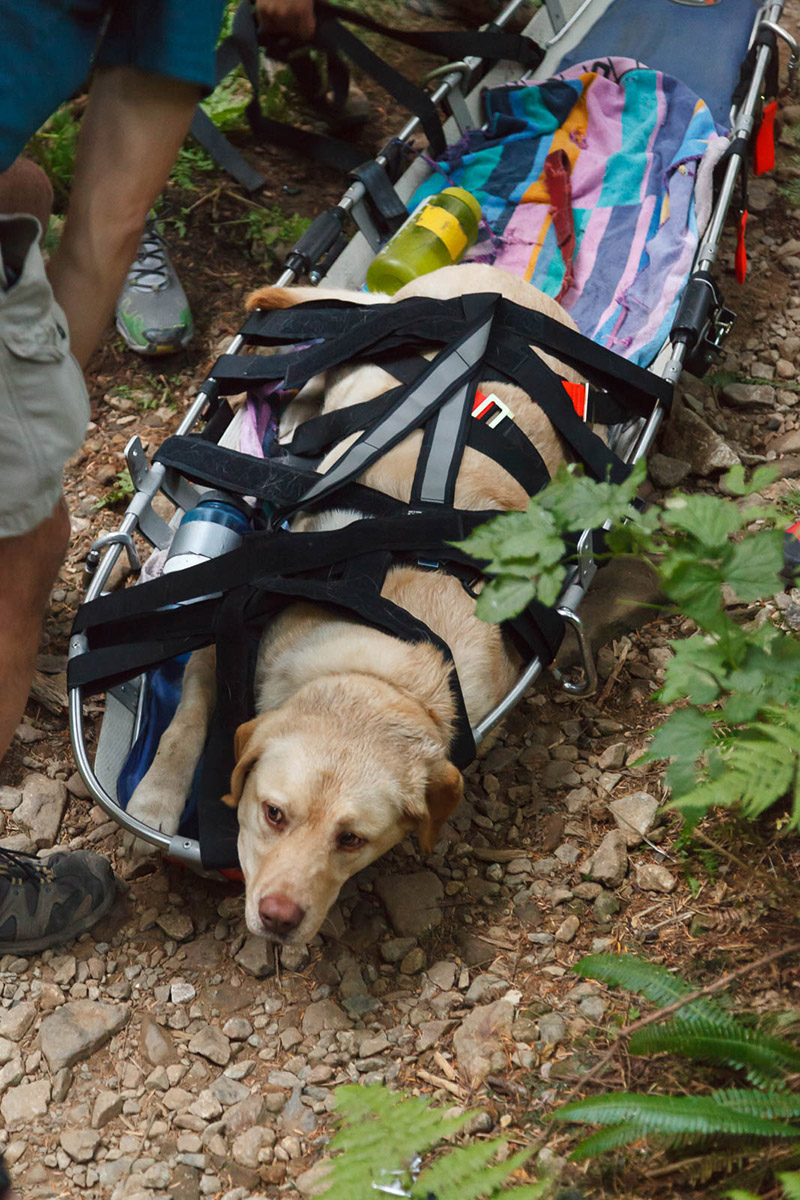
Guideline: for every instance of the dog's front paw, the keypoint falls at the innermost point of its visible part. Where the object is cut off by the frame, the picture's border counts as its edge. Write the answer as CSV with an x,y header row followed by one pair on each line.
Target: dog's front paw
x,y
153,805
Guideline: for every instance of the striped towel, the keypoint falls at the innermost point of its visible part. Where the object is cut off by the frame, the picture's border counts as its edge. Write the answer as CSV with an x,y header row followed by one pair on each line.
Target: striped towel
x,y
630,141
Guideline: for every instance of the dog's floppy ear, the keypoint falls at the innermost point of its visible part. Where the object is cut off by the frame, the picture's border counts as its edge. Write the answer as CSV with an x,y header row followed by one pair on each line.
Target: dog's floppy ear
x,y
442,797
246,750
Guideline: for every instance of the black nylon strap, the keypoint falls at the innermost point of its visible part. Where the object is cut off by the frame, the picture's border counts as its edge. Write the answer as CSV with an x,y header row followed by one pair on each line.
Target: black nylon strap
x,y
334,37
314,436
442,447
301,323
444,376
537,632
223,152
764,37
354,329
635,385
535,377
511,449
278,481
740,146
361,329
285,553
387,205
241,46
493,45
203,462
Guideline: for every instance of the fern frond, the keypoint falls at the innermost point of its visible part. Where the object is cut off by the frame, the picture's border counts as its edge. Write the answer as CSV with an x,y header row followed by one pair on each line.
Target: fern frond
x,y
529,1191
603,1140
465,1174
790,1180
381,1130
758,1103
655,983
717,1162
764,1058
764,769
671,1116
760,767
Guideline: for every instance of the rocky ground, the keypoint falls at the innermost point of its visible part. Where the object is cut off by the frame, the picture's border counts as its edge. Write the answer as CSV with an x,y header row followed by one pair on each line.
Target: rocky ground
x,y
168,1054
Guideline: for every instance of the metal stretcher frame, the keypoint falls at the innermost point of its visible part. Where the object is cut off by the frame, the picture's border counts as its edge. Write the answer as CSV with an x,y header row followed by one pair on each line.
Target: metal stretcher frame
x,y
558,26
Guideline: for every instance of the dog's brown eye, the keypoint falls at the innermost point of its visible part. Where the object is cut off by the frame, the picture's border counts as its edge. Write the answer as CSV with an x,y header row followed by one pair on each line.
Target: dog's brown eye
x,y
274,815
350,841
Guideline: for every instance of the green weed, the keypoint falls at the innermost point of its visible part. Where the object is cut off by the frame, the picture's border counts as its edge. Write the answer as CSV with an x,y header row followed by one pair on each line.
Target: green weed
x,y
789,502
192,160
734,742
53,147
121,489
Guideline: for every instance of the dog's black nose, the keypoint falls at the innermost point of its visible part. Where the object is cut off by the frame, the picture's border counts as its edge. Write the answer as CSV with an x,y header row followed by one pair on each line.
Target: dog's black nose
x,y
279,914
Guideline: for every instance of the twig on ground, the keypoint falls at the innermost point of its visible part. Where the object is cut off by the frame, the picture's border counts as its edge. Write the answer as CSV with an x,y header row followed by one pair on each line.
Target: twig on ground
x,y
439,1081
444,1066
612,679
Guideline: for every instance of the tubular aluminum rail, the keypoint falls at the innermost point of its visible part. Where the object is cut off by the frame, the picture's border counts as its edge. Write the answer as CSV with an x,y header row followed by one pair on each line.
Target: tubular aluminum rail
x,y
639,435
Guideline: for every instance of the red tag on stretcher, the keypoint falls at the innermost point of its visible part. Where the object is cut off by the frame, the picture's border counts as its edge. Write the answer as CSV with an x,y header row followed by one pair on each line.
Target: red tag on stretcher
x,y
577,393
741,251
764,148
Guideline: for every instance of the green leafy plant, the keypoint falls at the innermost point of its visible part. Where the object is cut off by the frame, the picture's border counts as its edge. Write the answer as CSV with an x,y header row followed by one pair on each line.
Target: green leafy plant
x,y
271,231
191,160
735,739
121,489
722,377
704,1031
227,103
790,1181
54,149
382,1133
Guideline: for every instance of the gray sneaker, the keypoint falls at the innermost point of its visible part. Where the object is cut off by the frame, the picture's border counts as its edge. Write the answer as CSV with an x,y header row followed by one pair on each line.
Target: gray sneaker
x,y
47,901
152,312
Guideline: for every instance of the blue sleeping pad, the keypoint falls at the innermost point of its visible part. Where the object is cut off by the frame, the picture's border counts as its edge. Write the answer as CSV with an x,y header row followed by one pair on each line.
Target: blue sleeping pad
x,y
703,47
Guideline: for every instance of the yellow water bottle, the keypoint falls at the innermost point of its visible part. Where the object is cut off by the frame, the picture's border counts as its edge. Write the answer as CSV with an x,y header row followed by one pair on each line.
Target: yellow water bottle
x,y
437,234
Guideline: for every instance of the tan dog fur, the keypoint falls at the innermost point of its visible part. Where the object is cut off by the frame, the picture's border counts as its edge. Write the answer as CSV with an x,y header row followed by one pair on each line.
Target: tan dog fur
x,y
351,740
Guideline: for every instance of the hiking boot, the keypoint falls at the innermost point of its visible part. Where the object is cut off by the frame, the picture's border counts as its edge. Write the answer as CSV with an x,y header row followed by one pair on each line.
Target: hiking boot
x,y
152,312
47,901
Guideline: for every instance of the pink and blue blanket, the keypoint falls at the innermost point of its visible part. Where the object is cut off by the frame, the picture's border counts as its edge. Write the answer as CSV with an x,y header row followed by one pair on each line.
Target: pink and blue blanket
x,y
631,141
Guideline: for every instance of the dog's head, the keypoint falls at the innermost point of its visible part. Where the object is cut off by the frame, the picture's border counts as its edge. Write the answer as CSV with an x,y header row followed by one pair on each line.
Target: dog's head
x,y
326,784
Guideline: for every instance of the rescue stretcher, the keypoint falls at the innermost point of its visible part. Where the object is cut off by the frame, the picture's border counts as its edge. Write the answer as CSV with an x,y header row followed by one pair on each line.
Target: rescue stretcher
x,y
724,53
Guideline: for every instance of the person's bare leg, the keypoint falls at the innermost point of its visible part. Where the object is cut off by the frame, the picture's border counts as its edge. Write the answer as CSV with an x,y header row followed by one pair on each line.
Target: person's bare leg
x,y
28,566
134,126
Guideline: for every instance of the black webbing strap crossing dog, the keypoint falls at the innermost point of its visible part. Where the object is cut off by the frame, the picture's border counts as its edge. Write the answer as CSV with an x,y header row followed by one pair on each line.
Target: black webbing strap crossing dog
x,y
228,600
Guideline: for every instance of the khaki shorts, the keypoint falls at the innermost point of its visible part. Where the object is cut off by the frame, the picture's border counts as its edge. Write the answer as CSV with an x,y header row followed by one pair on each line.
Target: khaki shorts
x,y
44,406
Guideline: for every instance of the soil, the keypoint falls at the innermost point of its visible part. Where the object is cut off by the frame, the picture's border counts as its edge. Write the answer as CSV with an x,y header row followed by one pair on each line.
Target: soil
x,y
541,790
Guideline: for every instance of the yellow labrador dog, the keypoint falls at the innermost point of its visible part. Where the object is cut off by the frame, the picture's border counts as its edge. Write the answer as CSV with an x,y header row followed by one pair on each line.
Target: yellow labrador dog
x,y
349,751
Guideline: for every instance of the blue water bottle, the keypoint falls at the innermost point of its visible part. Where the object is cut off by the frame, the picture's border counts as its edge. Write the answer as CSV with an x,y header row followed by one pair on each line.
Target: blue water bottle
x,y
216,525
